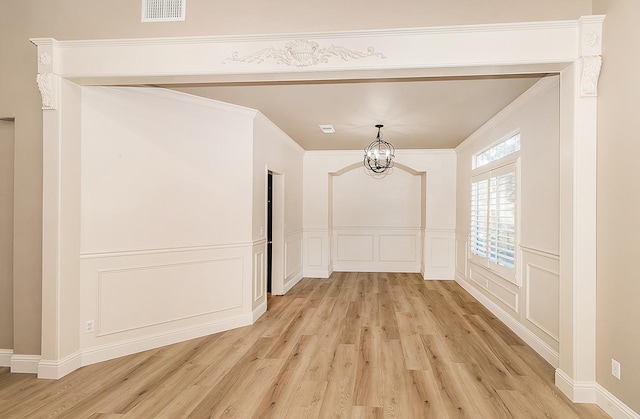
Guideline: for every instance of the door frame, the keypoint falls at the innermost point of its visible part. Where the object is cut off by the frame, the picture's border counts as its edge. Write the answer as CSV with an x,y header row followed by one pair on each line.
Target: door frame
x,y
278,271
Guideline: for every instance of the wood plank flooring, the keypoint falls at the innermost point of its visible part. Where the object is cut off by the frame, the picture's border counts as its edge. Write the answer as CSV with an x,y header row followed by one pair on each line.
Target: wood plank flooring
x,y
358,345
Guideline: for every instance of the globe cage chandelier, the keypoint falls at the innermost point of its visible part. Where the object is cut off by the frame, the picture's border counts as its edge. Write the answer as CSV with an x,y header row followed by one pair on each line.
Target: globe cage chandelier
x,y
378,156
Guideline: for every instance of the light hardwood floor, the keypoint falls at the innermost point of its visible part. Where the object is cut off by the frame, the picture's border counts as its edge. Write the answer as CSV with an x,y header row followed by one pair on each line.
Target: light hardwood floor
x,y
358,345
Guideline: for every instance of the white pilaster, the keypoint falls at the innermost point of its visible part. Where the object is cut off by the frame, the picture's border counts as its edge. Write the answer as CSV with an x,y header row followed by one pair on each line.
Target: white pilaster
x,y
578,118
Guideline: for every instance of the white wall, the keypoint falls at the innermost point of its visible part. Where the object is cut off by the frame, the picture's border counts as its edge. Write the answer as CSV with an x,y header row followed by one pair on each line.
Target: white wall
x,y
275,151
416,226
531,302
166,241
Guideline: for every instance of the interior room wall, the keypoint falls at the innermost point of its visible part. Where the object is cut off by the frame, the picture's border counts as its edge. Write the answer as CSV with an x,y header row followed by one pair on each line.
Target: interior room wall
x,y
532,299
6,235
166,246
618,203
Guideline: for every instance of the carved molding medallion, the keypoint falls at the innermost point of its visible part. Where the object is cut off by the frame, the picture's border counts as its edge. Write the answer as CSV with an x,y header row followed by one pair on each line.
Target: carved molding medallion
x,y
47,83
45,58
591,39
303,53
591,65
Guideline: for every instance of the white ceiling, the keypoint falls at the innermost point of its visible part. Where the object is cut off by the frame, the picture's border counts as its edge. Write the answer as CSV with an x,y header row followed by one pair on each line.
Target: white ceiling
x,y
417,113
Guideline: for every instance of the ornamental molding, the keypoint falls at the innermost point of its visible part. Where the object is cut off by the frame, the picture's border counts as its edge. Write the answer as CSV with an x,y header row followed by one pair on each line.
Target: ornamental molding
x,y
48,85
303,53
591,65
591,39
45,58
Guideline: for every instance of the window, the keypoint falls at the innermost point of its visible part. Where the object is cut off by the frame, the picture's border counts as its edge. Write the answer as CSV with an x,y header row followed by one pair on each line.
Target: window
x,y
494,209
498,151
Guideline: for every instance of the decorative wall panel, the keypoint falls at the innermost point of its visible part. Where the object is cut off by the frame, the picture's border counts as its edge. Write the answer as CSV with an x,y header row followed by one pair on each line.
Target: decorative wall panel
x,y
377,250
136,297
258,275
398,248
354,247
314,251
542,294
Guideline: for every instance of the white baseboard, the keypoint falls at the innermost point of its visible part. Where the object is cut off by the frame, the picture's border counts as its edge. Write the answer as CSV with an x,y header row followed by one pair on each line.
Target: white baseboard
x,y
518,328
613,406
438,274
431,277
5,357
54,369
576,391
292,281
25,364
259,311
317,273
592,392
360,267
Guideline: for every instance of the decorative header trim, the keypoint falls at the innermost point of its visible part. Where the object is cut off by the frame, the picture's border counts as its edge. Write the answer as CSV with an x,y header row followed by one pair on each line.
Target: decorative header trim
x,y
591,65
431,30
303,53
47,83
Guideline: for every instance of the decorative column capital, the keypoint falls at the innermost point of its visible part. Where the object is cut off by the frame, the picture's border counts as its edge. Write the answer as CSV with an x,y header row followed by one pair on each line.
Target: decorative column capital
x,y
48,79
590,53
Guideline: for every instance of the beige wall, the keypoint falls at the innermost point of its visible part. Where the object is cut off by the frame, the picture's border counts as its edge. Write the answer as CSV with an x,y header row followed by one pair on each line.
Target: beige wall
x,y
618,334
6,234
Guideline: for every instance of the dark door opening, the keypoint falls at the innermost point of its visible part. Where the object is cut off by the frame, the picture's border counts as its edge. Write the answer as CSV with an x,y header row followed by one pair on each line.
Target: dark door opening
x,y
269,229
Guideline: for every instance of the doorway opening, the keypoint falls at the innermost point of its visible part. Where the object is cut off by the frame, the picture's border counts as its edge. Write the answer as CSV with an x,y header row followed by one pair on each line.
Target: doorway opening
x,y
275,275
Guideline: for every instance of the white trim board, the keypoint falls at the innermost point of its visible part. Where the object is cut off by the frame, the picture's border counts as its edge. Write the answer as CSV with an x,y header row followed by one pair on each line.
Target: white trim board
x,y
25,364
592,392
5,357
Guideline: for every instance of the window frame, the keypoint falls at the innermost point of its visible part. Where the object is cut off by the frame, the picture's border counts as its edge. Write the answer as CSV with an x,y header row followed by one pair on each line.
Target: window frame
x,y
506,164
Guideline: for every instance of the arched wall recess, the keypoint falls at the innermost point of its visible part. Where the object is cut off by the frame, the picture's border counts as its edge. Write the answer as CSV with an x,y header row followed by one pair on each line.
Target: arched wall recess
x,y
377,222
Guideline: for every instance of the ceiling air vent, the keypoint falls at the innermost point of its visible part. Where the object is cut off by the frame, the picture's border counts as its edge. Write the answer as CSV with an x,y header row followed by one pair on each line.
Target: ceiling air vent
x,y
327,129
163,10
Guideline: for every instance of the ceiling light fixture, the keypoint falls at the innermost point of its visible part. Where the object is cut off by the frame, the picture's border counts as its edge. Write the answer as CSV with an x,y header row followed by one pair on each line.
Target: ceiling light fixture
x,y
378,156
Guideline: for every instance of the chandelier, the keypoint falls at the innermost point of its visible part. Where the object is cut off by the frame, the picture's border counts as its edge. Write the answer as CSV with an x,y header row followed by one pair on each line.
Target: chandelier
x,y
378,156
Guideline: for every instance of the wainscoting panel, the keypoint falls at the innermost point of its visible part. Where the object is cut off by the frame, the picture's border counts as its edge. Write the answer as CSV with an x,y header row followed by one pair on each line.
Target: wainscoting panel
x,y
369,249
292,260
439,257
314,251
132,298
144,299
541,288
354,247
292,254
461,254
316,260
397,248
259,268
530,309
503,292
